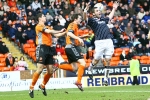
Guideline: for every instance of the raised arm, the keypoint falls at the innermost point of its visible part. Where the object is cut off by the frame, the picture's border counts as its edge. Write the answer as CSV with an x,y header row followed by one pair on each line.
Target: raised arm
x,y
115,6
85,12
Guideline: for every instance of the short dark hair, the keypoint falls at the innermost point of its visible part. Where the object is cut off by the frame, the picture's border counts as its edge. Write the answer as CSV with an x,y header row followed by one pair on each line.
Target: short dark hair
x,y
93,10
75,16
38,16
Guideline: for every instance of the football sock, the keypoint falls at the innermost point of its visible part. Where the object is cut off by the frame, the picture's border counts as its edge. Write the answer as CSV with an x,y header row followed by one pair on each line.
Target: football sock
x,y
91,66
66,67
106,73
45,80
80,73
34,80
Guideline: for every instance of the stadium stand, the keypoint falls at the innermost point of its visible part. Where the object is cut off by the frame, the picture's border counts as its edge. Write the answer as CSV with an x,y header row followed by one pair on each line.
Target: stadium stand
x,y
131,21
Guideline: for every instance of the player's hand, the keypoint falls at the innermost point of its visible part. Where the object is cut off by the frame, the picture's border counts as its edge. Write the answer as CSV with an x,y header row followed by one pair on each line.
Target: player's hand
x,y
81,41
63,30
115,5
87,7
148,35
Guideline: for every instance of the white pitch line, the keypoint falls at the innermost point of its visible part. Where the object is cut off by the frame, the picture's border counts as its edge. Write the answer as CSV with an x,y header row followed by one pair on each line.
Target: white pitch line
x,y
85,92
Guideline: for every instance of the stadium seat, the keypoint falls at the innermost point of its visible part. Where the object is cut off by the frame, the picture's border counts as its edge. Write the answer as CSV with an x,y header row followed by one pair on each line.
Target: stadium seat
x,y
143,61
30,51
2,65
148,61
126,50
125,62
32,45
5,69
2,60
12,68
114,63
26,47
116,54
144,58
115,59
138,57
2,56
30,42
118,50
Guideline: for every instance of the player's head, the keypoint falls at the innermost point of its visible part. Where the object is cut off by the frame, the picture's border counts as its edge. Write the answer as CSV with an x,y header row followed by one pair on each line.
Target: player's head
x,y
77,18
41,17
96,12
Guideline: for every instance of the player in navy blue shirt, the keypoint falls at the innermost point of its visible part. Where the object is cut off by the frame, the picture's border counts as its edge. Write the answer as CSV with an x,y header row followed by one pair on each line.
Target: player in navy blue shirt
x,y
103,38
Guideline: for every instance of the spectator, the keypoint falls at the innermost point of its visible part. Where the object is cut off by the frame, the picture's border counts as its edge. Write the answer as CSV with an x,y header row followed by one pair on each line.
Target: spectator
x,y
51,11
146,6
6,6
44,10
4,27
147,50
1,12
12,31
3,48
58,26
130,54
66,10
139,50
146,17
9,60
24,26
49,17
122,42
16,63
23,63
30,17
62,20
129,29
33,24
30,33
141,13
143,40
36,5
123,57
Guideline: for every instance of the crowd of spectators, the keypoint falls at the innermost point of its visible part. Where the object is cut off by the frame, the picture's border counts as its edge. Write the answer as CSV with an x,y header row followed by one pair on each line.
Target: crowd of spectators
x,y
130,25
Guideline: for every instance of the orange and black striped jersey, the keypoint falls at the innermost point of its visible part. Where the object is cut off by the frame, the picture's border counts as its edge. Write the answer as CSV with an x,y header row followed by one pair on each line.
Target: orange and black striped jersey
x,y
74,29
42,37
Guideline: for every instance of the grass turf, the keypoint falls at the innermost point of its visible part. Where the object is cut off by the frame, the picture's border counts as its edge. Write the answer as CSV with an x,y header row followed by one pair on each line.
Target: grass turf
x,y
93,93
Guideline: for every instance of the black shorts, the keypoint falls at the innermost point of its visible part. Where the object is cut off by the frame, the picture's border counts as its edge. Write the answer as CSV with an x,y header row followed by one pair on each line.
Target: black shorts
x,y
44,54
73,53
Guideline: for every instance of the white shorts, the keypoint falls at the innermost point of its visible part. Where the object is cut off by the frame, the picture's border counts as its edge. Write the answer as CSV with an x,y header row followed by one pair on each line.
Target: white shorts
x,y
103,47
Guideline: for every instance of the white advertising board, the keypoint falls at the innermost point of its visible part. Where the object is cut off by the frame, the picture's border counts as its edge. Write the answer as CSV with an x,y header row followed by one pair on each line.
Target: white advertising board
x,y
12,75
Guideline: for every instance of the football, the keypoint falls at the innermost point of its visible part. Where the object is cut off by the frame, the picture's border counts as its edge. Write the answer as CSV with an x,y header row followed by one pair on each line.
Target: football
x,y
100,6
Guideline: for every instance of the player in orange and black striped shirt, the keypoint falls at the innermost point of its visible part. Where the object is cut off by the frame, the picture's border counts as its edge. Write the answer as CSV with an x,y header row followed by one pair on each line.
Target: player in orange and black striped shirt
x,y
44,52
73,52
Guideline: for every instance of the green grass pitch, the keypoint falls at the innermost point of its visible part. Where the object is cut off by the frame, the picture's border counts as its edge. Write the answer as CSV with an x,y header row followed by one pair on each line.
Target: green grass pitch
x,y
92,93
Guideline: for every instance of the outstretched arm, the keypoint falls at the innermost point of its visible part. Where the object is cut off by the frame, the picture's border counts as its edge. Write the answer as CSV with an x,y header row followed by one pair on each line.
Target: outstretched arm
x,y
53,31
59,34
85,12
75,37
115,6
